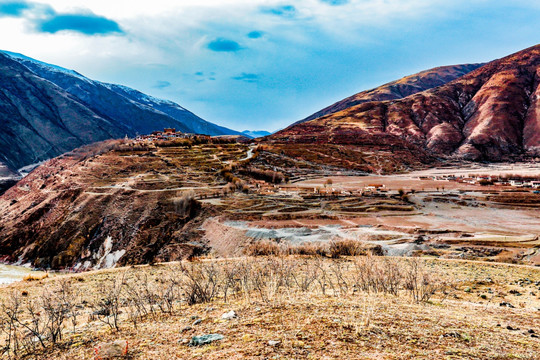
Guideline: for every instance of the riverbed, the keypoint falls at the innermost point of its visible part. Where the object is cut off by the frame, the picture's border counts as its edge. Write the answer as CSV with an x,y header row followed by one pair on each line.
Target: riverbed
x,y
10,274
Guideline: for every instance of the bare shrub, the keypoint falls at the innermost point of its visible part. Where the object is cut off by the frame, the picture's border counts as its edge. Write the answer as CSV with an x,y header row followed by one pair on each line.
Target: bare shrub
x,y
305,275
333,249
201,284
228,189
309,248
270,277
378,275
231,282
32,325
107,307
139,299
188,143
346,247
419,283
339,269
146,297
263,248
58,305
10,311
95,149
167,295
274,177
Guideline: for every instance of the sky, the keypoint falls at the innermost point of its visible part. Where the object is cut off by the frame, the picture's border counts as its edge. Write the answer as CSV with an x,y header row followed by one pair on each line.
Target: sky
x,y
263,64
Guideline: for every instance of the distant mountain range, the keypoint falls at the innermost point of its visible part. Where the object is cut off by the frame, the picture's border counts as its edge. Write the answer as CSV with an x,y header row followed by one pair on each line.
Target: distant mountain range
x,y
491,113
255,133
46,110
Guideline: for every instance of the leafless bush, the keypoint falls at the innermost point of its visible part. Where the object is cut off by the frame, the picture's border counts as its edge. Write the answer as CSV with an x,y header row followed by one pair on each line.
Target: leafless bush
x,y
132,146
270,277
228,189
274,177
58,306
263,248
305,275
35,277
339,269
28,326
31,325
10,311
107,307
201,283
167,295
139,304
420,284
95,149
346,248
378,275
231,282
309,248
146,296
175,143
323,279
333,249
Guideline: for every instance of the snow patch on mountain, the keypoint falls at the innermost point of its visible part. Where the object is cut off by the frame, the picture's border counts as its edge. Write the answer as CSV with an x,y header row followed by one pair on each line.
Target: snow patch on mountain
x,y
22,59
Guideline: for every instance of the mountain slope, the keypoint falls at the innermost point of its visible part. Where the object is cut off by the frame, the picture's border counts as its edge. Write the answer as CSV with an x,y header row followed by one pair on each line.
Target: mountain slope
x,y
489,114
185,118
401,88
40,120
125,112
139,111
112,201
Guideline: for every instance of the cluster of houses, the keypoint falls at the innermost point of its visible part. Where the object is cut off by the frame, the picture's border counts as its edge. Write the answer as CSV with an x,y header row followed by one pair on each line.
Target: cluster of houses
x,y
169,134
488,180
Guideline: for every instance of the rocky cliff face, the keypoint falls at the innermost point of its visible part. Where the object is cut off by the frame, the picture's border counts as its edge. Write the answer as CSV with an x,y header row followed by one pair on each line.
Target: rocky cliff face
x,y
489,114
46,110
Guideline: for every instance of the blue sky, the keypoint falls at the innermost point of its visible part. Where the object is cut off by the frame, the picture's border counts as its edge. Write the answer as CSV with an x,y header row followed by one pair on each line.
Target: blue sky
x,y
263,64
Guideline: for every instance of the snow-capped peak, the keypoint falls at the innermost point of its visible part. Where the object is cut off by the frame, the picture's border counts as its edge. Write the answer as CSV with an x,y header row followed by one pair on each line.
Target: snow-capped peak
x,y
23,59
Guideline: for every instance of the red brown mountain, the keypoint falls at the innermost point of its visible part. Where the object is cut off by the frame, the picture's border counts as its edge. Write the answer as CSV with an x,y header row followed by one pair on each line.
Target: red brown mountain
x,y
401,88
489,114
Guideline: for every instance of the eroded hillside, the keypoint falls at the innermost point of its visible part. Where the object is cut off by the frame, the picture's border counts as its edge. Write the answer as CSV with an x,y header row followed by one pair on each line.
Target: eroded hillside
x,y
102,204
401,88
489,114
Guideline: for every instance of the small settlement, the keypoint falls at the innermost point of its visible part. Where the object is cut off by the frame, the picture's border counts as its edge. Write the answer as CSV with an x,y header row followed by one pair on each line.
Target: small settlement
x,y
169,134
504,180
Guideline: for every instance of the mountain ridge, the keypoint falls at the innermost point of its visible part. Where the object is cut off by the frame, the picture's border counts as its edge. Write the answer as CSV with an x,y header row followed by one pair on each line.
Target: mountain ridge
x,y
126,111
489,114
40,120
398,89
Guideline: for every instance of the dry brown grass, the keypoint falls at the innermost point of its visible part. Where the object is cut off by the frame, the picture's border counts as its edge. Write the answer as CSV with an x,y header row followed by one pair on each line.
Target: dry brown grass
x,y
35,277
318,308
264,248
332,249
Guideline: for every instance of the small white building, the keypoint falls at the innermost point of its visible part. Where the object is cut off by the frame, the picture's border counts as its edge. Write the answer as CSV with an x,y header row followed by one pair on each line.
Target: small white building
x,y
516,183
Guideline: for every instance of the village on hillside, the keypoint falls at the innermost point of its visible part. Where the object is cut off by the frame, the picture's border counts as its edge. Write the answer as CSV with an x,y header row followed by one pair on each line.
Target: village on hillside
x,y
169,134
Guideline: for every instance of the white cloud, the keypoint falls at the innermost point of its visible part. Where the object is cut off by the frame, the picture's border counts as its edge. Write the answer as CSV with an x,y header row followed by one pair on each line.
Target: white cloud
x,y
319,50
